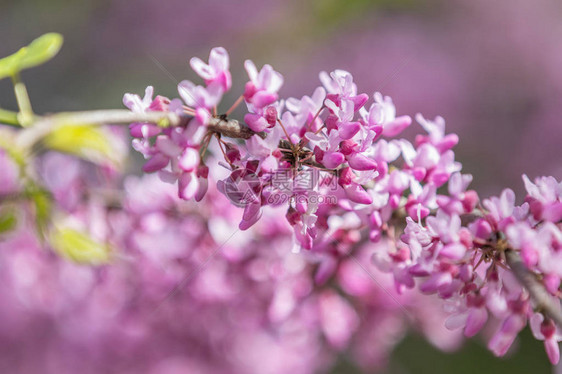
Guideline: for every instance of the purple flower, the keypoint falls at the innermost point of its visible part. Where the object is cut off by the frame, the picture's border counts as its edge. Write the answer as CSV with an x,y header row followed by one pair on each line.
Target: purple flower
x,y
138,105
545,329
381,117
201,99
339,85
459,200
263,86
436,131
217,69
544,198
501,209
504,337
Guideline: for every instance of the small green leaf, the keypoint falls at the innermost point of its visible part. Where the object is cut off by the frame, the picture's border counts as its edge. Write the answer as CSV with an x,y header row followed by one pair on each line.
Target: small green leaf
x,y
41,50
38,52
89,142
79,247
8,221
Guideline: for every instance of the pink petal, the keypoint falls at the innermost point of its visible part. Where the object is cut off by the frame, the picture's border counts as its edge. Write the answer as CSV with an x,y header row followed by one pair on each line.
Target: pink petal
x,y
552,350
252,213
436,281
454,251
202,190
156,162
357,194
188,185
359,101
332,160
359,162
477,317
256,122
338,319
347,130
189,159
262,99
553,213
395,127
167,146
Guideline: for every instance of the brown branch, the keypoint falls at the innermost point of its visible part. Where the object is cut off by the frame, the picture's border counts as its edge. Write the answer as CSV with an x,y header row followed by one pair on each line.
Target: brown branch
x,y
231,128
543,300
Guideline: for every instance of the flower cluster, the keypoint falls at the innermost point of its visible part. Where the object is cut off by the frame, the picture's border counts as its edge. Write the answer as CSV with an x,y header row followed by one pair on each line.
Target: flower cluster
x,y
249,310
412,197
468,265
379,217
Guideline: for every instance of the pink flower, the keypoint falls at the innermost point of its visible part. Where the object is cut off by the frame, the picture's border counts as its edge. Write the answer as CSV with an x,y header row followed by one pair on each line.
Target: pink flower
x,y
545,329
201,99
472,316
504,337
138,105
263,149
544,198
306,108
436,131
459,199
338,319
501,209
340,86
382,117
263,86
354,191
217,69
343,115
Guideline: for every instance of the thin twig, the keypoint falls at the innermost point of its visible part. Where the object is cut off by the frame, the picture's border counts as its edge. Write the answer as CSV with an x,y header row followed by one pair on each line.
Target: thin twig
x,y
235,105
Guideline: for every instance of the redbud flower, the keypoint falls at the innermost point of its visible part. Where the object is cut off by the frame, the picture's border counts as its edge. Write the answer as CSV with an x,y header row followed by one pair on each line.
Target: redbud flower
x,y
217,69
545,329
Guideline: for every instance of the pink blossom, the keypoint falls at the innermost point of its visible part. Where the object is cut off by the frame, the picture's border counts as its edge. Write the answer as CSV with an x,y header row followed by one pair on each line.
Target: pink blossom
x,y
545,329
200,98
217,69
382,115
263,86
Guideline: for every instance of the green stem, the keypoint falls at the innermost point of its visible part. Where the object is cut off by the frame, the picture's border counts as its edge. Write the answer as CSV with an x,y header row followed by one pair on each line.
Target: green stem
x,y
26,113
7,117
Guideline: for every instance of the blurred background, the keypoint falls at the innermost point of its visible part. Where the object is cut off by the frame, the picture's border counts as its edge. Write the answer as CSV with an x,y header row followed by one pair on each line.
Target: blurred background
x,y
492,69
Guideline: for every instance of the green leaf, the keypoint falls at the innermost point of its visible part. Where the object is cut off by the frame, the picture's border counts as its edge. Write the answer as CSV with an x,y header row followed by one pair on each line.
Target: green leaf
x,y
41,50
38,52
79,247
9,66
89,142
8,221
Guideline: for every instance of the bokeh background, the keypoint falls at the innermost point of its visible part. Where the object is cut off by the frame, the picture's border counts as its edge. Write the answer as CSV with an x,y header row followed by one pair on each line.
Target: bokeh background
x,y
493,69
